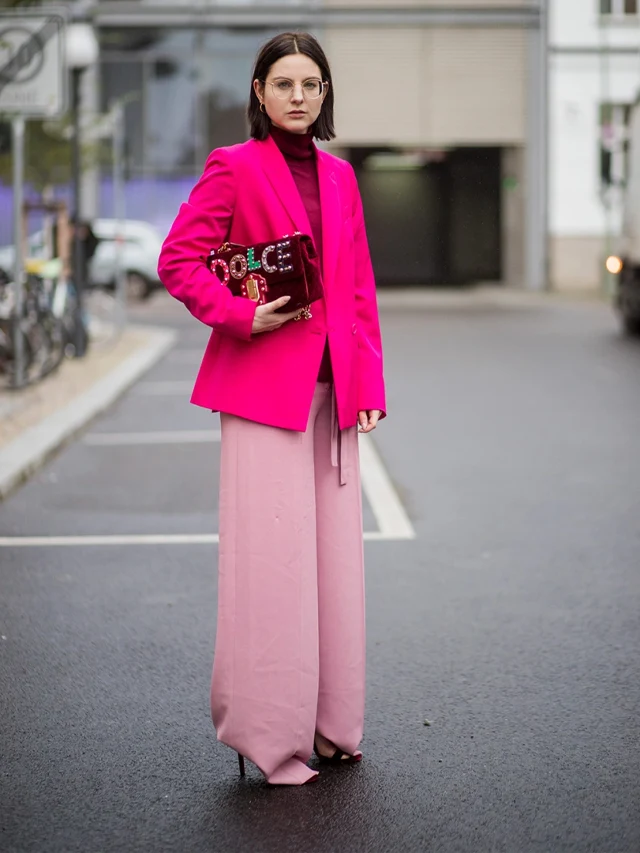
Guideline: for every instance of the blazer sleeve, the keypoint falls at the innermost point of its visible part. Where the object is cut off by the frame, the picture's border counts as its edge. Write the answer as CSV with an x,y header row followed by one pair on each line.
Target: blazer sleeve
x,y
202,223
371,391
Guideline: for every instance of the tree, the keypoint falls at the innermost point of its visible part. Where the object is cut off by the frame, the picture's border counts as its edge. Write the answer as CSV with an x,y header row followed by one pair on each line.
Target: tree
x,y
47,141
13,4
48,153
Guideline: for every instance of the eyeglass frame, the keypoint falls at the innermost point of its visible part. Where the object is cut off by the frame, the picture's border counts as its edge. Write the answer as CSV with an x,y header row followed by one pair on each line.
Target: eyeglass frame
x,y
324,84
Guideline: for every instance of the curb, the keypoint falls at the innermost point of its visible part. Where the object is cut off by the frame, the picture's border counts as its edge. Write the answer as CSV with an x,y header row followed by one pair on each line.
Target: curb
x,y
483,296
24,455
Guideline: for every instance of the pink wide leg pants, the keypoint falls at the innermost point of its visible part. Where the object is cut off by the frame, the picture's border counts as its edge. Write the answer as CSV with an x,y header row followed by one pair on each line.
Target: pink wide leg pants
x,y
290,642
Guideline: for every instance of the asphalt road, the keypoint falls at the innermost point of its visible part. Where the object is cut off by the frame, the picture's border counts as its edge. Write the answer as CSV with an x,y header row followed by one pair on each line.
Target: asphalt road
x,y
511,621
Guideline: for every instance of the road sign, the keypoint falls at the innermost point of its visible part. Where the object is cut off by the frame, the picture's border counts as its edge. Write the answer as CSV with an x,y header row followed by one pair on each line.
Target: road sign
x,y
32,64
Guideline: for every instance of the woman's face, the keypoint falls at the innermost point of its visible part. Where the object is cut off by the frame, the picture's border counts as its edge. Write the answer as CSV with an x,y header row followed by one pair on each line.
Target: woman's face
x,y
287,93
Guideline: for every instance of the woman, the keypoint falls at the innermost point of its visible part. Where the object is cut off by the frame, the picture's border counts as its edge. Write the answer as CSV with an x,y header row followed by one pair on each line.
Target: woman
x,y
289,664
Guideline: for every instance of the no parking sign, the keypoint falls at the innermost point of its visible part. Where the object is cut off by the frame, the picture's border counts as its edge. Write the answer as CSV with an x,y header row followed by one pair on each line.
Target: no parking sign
x,y
32,67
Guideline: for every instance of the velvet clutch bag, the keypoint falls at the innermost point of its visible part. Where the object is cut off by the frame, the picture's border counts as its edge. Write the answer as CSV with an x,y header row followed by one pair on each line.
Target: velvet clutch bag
x,y
266,271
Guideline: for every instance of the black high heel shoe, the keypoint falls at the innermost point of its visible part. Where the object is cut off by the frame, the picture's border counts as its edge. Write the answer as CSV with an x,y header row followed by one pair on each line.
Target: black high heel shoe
x,y
241,763
337,757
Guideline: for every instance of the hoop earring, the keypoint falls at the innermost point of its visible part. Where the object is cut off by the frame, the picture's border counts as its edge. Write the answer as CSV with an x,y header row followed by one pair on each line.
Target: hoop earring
x,y
262,108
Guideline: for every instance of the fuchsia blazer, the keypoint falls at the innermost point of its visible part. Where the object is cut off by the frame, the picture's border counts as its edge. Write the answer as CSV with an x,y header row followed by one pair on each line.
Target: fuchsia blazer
x,y
247,195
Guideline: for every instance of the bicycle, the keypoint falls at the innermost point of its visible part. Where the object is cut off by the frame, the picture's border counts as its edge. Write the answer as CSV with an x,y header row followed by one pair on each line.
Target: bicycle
x,y
44,325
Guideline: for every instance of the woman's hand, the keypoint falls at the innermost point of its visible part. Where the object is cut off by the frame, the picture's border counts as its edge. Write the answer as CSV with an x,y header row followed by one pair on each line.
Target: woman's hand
x,y
368,420
266,320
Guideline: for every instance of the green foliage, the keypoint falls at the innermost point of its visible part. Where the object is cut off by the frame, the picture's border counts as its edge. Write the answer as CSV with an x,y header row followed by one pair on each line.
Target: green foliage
x,y
48,154
15,4
47,145
47,159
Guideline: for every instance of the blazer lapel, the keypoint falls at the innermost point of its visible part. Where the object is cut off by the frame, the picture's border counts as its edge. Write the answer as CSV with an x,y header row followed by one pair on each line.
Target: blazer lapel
x,y
331,215
281,179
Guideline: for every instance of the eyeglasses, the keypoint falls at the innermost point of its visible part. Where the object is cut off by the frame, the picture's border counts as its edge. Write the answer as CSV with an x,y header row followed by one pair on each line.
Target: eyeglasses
x,y
311,88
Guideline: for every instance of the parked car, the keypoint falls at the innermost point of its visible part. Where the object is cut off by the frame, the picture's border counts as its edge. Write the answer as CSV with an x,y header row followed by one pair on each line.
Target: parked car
x,y
142,244
625,264
140,250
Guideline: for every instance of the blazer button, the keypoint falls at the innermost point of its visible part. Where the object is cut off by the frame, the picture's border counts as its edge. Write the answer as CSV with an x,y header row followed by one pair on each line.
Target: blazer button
x,y
354,329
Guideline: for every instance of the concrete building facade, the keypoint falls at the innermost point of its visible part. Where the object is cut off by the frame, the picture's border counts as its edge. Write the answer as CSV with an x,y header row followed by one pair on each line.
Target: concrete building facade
x,y
594,61
440,107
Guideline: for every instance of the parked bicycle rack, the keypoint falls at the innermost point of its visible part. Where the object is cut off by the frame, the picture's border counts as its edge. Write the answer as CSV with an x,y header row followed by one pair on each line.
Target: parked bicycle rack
x,y
35,337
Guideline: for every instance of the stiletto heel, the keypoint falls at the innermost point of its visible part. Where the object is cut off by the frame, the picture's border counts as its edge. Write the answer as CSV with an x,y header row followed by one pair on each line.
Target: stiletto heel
x,y
241,763
337,757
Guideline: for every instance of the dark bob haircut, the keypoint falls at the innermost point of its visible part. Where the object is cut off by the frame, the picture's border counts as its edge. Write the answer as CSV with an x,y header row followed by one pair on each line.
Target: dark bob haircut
x,y
286,44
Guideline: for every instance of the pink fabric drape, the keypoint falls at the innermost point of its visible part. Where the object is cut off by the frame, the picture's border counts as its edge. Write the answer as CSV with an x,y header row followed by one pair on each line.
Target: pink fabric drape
x,y
290,643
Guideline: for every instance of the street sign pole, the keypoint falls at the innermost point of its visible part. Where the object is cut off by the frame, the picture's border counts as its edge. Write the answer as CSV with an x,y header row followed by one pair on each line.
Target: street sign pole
x,y
80,332
31,86
117,111
17,127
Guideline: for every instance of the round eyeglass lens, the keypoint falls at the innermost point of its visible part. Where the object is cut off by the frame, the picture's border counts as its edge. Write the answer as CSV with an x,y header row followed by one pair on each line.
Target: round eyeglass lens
x,y
284,88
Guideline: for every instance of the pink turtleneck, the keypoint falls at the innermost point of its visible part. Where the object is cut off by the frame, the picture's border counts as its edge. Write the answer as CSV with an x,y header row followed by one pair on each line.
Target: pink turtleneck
x,y
300,154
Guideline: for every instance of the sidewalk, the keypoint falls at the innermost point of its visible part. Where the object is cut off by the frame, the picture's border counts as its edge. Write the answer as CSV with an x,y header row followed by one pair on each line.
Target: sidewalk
x,y
37,420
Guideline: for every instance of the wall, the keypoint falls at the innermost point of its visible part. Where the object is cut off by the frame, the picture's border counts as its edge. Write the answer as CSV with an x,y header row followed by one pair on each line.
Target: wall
x,y
438,4
589,65
429,86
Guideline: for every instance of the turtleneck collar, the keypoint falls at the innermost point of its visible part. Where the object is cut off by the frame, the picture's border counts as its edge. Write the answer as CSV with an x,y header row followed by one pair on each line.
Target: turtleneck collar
x,y
299,146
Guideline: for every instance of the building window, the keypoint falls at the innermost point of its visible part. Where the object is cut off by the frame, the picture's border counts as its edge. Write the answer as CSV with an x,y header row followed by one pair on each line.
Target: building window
x,y
185,92
619,8
614,143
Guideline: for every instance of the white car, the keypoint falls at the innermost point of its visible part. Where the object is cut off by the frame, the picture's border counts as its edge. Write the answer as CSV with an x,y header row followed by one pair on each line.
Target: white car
x,y
140,250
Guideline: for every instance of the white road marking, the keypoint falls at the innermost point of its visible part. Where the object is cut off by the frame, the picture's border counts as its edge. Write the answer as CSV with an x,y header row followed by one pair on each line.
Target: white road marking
x,y
131,539
153,389
115,439
393,521
109,539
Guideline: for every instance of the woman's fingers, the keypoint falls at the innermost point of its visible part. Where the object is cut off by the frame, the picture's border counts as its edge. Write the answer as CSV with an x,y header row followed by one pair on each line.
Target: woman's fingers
x,y
265,318
368,420
271,307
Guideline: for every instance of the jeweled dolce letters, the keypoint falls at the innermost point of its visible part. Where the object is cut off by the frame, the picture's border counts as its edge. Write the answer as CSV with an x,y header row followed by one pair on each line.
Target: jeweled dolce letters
x,y
266,271
282,256
238,266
